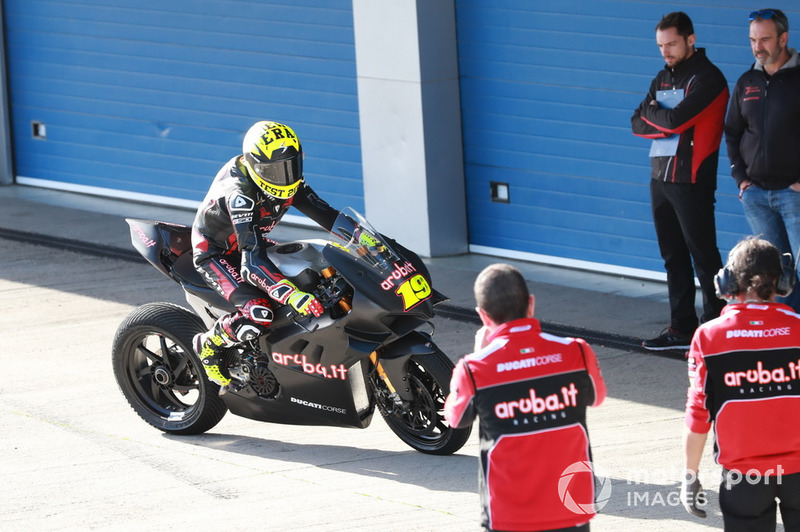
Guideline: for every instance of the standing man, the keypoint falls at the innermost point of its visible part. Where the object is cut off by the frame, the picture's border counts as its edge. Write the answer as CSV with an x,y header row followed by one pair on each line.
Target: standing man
x,y
763,136
744,374
530,391
683,113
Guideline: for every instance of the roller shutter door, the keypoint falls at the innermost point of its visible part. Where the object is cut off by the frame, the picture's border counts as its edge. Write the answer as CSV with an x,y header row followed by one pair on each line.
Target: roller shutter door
x,y
151,97
547,92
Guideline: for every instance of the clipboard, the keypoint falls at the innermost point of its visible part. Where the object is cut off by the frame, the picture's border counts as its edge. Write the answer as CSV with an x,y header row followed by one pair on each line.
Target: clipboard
x,y
668,146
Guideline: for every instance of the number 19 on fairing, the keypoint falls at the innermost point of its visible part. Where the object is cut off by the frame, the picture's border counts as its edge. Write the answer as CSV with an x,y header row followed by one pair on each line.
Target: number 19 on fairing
x,y
414,291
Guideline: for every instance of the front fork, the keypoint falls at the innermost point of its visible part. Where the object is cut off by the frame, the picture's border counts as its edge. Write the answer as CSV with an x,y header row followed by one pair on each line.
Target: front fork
x,y
399,405
391,365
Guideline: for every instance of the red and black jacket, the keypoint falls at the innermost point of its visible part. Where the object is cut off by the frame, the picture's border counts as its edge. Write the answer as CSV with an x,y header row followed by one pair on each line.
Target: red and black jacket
x,y
744,370
530,391
698,119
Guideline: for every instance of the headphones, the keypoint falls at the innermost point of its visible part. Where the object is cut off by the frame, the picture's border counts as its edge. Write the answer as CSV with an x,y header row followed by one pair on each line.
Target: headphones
x,y
725,281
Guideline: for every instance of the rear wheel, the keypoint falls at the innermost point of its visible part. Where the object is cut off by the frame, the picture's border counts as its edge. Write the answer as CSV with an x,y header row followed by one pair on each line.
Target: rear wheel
x,y
158,373
421,423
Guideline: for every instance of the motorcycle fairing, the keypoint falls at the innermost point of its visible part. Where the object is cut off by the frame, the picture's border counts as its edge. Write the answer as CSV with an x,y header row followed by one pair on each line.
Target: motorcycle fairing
x,y
394,358
160,243
311,401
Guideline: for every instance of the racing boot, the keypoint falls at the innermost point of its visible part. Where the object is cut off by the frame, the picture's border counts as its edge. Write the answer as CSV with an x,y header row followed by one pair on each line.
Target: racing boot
x,y
209,348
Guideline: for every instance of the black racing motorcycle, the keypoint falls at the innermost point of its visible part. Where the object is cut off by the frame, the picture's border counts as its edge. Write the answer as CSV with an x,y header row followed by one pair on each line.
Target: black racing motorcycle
x,y
371,346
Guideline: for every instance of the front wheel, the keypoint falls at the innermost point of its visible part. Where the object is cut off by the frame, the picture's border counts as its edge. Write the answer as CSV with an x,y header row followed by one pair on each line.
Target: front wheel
x,y
421,424
159,374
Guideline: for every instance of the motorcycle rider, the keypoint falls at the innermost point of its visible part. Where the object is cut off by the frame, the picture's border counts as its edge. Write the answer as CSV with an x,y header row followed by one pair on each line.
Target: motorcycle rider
x,y
246,200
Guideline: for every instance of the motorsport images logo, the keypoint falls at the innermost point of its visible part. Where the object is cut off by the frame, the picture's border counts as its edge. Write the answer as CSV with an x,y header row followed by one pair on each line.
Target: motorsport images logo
x,y
583,507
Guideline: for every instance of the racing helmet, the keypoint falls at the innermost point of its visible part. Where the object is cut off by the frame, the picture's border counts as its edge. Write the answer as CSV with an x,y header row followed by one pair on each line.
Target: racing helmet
x,y
274,158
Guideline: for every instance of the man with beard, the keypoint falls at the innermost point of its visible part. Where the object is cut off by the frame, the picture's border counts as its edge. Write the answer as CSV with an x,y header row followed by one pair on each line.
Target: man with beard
x,y
683,113
762,136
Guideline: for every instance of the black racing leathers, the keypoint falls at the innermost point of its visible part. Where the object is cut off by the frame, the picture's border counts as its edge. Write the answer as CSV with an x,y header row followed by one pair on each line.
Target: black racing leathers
x,y
229,235
761,131
698,119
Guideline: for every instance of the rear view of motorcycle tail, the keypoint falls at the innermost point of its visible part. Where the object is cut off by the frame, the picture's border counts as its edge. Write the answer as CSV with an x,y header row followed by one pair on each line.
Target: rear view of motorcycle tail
x,y
371,347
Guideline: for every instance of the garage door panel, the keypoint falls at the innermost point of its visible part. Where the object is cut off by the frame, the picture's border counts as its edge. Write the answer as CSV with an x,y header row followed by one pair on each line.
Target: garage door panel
x,y
540,217
264,25
160,122
551,137
152,97
169,74
548,89
499,160
556,241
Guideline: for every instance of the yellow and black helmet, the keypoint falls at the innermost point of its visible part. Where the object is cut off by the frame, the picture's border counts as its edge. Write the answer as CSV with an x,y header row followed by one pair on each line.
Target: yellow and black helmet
x,y
274,158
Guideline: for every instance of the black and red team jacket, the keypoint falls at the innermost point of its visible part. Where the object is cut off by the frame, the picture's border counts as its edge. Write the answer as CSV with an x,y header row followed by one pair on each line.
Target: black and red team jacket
x,y
744,370
530,391
699,120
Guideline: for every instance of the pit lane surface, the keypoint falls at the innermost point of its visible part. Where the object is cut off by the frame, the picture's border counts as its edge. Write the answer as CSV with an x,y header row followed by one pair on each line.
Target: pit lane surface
x,y
76,457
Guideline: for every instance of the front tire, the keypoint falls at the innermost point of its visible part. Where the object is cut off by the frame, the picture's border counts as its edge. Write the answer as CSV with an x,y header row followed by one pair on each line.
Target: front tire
x,y
158,373
422,425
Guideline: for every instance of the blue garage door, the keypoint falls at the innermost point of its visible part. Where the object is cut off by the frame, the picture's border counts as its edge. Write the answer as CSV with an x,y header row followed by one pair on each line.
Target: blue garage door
x,y
151,97
548,89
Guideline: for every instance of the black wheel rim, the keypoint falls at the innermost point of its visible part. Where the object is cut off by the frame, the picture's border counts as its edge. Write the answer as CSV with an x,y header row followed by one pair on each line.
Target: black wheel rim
x,y
423,421
162,375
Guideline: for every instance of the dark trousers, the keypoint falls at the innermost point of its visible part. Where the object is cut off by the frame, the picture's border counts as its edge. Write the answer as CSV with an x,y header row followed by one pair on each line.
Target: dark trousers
x,y
751,506
683,215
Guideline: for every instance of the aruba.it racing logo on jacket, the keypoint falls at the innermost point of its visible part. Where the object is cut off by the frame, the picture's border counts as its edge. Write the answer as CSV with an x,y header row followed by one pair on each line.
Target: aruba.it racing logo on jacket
x,y
760,375
533,404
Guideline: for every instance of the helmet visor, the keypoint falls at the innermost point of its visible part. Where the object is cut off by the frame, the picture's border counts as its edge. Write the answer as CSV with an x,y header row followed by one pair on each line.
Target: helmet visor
x,y
280,173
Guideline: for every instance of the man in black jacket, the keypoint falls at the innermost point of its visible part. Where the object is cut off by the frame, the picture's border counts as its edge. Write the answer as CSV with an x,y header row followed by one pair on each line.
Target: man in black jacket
x,y
763,137
683,113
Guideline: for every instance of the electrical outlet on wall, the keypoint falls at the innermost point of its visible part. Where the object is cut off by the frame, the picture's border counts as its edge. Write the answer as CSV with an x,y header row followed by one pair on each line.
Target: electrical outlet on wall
x,y
39,130
500,192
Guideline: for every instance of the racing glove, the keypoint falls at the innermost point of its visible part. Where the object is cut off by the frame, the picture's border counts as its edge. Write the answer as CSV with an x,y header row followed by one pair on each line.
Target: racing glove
x,y
692,495
286,293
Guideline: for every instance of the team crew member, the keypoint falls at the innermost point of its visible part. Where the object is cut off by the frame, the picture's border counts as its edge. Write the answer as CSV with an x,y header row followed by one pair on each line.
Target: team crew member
x,y
683,177
762,136
247,198
744,370
530,391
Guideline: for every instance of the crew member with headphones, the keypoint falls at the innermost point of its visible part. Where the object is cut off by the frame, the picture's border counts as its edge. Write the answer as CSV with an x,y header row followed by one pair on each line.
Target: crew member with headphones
x,y
744,373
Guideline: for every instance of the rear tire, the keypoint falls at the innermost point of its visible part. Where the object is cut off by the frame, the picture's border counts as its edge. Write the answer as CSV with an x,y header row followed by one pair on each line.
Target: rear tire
x,y
159,374
423,426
